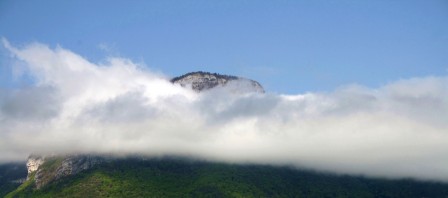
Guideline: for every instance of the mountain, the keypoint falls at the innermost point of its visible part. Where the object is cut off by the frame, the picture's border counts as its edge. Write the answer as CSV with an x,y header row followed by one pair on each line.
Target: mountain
x,y
202,81
107,176
43,170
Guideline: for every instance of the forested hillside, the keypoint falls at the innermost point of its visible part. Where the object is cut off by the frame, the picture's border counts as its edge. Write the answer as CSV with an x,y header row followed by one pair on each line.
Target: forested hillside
x,y
186,178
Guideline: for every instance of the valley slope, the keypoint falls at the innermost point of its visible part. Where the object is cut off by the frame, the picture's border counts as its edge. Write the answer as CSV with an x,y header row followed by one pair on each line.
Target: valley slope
x,y
175,177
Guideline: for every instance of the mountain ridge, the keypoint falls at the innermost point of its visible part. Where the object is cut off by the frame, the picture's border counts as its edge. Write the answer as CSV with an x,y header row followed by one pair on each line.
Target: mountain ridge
x,y
180,177
63,166
83,175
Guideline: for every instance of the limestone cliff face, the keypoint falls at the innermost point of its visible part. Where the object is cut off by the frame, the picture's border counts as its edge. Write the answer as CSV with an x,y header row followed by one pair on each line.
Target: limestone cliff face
x,y
202,81
33,164
52,168
75,164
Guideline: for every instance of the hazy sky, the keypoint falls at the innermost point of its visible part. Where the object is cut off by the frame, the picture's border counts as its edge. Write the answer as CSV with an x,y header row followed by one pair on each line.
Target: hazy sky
x,y
353,87
289,46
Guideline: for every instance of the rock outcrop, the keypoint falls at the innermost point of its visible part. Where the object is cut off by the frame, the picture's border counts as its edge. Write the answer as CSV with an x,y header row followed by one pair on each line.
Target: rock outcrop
x,y
202,81
48,169
33,163
74,164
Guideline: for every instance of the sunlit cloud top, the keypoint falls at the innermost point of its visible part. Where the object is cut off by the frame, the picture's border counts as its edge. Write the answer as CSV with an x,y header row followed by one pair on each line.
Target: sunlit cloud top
x,y
120,107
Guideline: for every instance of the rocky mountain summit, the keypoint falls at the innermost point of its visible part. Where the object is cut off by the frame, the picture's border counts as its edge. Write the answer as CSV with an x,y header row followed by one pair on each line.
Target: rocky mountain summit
x,y
202,81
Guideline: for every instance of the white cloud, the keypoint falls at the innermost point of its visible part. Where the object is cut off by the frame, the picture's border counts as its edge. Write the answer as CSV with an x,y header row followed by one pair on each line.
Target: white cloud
x,y
398,130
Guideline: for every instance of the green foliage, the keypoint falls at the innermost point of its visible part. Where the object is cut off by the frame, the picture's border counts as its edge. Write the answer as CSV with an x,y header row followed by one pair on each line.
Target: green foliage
x,y
24,189
183,178
48,168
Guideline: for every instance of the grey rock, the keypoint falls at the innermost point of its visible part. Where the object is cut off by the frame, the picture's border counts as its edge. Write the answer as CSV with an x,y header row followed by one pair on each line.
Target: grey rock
x,y
202,81
59,167
33,163
75,164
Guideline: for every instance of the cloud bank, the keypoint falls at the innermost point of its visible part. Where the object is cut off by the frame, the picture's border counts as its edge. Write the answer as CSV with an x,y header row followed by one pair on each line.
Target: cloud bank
x,y
120,107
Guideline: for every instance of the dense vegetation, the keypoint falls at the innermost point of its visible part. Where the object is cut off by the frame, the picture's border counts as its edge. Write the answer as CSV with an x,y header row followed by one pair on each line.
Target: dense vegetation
x,y
183,178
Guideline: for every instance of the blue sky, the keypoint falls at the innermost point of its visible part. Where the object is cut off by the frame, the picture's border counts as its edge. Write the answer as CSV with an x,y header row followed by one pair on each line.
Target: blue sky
x,y
398,48
288,46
